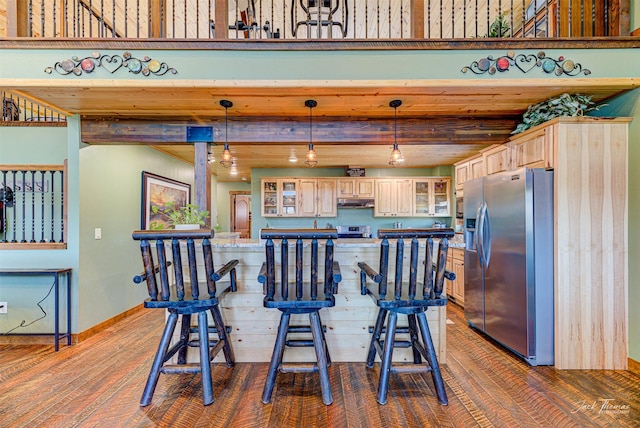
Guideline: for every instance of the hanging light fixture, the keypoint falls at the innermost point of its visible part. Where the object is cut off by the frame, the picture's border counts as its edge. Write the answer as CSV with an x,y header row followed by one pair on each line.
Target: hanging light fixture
x,y
396,157
226,160
312,159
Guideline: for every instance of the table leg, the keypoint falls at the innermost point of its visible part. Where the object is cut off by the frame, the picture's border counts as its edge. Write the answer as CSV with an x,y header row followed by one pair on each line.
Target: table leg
x,y
69,308
56,315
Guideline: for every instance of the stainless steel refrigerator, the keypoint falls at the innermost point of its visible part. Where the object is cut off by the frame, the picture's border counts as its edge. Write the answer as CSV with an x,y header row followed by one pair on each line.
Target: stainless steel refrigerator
x,y
508,260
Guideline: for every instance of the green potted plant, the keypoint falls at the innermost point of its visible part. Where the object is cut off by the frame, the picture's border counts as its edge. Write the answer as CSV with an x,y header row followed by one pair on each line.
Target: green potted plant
x,y
563,105
186,217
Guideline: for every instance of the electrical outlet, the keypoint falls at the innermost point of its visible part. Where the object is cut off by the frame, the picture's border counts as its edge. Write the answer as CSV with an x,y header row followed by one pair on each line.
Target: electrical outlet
x,y
3,307
97,233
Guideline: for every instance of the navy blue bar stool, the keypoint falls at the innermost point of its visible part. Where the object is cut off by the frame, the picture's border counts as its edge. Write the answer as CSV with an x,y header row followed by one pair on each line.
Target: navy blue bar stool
x,y
411,298
299,296
182,299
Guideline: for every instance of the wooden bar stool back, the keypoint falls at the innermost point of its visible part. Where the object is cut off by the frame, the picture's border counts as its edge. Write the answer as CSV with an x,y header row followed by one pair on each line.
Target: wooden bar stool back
x,y
299,296
186,295
409,297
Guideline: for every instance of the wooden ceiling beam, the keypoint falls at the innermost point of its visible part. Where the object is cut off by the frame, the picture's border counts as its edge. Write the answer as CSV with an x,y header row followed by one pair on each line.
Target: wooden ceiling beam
x,y
295,130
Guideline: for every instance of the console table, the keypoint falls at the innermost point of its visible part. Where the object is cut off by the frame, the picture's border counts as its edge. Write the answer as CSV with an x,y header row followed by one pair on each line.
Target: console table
x,y
56,274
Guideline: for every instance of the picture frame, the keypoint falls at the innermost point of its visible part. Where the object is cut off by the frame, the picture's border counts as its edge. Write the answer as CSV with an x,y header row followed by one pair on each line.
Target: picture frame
x,y
158,191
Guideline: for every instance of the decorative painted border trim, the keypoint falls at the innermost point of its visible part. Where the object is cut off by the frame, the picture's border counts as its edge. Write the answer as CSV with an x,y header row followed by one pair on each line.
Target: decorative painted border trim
x,y
526,63
111,63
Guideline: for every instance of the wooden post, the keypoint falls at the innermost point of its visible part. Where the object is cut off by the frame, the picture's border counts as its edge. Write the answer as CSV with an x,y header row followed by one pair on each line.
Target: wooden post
x,y
157,21
222,19
202,178
417,19
18,18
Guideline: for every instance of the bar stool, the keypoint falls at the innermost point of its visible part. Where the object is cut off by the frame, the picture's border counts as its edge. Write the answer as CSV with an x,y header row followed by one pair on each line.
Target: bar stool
x,y
184,301
305,300
409,298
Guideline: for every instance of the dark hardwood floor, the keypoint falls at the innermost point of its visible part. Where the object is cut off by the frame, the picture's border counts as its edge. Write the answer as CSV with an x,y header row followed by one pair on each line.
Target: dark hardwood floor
x,y
98,383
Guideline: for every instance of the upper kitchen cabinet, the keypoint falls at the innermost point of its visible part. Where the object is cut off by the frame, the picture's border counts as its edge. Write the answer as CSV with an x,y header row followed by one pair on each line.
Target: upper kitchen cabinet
x,y
496,158
533,150
394,197
432,197
317,197
468,169
280,197
476,168
356,188
461,173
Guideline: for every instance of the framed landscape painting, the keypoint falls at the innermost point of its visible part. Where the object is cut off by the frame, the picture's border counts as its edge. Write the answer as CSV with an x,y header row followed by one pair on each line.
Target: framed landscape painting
x,y
158,191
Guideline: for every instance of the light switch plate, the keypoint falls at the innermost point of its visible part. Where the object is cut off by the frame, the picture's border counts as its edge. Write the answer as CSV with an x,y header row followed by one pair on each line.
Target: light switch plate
x,y
98,233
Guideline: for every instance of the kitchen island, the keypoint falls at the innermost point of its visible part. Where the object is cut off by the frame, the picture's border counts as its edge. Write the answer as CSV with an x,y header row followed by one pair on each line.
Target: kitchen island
x,y
254,327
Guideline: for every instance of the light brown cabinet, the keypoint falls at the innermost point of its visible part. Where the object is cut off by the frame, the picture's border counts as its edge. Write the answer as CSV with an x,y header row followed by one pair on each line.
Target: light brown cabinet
x,y
497,159
533,150
394,197
279,197
355,188
458,269
432,197
455,264
461,174
468,169
326,200
304,197
476,168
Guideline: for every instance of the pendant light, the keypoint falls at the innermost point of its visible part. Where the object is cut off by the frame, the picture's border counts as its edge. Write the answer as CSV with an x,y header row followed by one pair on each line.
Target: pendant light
x,y
312,159
226,153
396,157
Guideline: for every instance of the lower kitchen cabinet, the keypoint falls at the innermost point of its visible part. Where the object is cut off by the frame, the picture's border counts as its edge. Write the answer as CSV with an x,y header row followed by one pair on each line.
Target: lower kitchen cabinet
x,y
455,264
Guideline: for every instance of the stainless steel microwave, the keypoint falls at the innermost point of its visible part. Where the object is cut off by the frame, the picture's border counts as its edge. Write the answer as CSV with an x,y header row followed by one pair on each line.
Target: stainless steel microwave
x,y
459,207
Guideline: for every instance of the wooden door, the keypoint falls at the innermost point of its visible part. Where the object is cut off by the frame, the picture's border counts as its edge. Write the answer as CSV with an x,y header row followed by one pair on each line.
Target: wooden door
x,y
241,214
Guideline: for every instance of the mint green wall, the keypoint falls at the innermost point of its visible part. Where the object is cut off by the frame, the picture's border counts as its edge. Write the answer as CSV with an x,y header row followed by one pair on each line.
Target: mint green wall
x,y
346,216
110,195
628,105
223,203
278,65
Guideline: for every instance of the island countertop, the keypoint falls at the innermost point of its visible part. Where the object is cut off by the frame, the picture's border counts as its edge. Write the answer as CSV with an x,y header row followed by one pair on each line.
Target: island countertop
x,y
338,243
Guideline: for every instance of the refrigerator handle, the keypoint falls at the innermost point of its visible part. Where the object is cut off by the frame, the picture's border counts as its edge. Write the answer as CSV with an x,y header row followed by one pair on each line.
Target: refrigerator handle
x,y
478,235
486,235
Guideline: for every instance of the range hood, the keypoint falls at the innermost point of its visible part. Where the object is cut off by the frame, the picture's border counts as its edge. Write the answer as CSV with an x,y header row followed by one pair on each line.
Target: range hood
x,y
355,203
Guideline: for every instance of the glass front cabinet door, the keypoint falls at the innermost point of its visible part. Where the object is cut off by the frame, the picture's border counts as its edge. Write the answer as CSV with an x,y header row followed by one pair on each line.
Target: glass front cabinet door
x,y
441,201
432,197
279,197
421,193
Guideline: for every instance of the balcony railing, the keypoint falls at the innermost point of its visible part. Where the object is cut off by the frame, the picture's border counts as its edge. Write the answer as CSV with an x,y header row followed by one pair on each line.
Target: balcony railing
x,y
16,110
32,206
316,19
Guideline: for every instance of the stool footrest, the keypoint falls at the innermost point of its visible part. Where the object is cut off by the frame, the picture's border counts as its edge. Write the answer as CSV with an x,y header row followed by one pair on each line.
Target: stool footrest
x,y
399,329
211,329
411,369
303,329
398,344
297,368
181,369
299,343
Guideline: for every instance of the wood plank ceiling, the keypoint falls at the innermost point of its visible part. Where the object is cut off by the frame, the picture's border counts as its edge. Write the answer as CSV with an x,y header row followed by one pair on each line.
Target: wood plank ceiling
x,y
439,122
